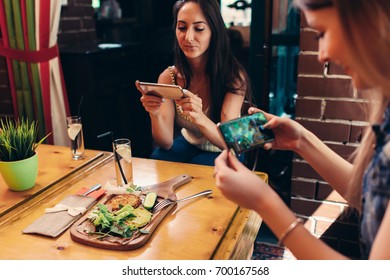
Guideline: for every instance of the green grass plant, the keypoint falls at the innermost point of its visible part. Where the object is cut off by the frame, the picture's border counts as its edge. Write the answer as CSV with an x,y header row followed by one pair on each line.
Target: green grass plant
x,y
18,139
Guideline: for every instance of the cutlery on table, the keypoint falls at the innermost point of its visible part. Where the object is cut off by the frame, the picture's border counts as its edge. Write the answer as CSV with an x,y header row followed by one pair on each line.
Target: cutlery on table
x,y
94,188
165,202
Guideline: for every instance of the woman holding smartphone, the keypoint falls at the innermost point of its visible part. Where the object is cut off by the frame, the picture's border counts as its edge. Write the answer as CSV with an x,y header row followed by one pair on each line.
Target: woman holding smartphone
x,y
215,84
356,35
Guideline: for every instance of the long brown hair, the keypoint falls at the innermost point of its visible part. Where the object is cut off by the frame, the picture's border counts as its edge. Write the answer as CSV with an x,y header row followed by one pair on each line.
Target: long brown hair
x,y
225,72
366,26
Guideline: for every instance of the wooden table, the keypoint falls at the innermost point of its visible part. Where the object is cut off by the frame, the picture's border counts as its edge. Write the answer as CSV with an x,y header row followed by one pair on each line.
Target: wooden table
x,y
54,165
206,228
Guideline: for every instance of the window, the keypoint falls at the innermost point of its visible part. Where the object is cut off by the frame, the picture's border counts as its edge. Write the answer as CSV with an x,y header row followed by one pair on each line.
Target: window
x,y
236,13
272,70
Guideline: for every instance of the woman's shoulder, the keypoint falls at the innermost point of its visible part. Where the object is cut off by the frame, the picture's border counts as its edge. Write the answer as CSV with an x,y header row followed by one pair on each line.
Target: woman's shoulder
x,y
241,80
171,75
168,75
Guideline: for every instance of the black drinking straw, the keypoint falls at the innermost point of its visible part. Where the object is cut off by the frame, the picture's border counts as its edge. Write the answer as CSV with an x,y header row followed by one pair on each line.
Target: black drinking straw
x,y
79,107
115,153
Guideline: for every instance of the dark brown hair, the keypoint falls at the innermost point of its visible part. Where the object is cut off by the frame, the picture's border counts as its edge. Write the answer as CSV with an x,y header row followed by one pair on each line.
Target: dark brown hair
x,y
225,72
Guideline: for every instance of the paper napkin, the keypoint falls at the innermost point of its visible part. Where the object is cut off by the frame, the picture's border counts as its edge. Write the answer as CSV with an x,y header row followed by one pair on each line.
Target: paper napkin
x,y
60,217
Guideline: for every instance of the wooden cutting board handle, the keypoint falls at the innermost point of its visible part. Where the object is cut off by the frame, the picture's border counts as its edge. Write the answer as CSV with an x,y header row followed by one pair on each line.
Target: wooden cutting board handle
x,y
167,189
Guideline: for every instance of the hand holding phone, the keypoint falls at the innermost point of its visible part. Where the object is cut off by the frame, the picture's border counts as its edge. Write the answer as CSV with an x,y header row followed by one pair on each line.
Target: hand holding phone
x,y
246,133
162,90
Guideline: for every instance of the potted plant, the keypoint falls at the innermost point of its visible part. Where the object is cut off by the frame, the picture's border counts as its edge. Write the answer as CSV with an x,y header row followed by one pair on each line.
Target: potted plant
x,y
18,158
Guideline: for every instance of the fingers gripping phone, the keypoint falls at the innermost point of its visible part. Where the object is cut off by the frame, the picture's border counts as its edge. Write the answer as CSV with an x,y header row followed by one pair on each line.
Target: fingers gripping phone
x,y
246,133
162,90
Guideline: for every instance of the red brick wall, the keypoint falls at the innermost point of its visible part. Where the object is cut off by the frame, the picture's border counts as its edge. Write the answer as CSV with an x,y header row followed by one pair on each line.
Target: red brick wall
x,y
326,106
77,26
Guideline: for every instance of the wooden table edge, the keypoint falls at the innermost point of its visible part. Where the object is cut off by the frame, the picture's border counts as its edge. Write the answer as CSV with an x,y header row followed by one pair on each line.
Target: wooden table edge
x,y
238,240
55,188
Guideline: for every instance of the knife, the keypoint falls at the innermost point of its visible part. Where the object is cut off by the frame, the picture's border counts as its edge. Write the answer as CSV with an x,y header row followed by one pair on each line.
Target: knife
x,y
94,188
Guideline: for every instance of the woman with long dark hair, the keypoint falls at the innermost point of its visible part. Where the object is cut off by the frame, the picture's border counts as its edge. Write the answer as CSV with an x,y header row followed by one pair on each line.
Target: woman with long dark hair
x,y
216,85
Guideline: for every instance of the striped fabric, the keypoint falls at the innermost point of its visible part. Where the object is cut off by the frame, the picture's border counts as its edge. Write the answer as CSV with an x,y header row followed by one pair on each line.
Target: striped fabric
x,y
38,89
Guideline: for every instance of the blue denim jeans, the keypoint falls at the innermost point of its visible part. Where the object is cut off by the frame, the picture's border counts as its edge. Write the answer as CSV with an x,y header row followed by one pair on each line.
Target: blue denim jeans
x,y
183,151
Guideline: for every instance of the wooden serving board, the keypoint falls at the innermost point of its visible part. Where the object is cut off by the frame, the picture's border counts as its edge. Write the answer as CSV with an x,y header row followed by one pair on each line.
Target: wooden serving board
x,y
164,190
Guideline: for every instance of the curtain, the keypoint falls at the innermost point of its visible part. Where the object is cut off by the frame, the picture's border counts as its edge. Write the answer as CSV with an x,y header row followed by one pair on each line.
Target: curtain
x,y
29,29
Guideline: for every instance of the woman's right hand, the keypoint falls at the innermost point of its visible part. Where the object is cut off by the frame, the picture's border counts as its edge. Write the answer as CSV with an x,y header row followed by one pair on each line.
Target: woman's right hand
x,y
151,103
288,132
237,182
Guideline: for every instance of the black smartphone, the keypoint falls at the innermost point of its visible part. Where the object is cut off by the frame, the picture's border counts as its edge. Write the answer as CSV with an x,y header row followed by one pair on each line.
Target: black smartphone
x,y
246,133
162,90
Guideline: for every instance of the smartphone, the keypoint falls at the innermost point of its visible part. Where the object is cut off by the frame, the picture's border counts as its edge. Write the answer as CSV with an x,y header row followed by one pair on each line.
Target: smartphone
x,y
246,133
162,90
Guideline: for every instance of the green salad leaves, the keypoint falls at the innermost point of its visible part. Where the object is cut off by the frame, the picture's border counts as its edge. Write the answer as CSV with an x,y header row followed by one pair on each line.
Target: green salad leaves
x,y
123,222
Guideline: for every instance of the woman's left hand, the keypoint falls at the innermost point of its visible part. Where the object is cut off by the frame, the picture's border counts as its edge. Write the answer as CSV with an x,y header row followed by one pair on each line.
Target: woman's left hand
x,y
192,105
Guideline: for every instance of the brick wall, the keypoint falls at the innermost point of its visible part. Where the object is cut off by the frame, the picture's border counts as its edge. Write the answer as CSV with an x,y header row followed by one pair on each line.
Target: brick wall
x,y
327,107
77,24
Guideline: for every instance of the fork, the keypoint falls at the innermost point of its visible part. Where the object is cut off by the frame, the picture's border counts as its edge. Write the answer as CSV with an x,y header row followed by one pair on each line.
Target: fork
x,y
165,202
